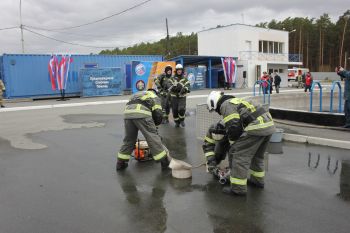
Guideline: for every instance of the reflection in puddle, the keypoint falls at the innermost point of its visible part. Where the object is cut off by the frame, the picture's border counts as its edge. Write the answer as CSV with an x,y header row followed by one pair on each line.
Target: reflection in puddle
x,y
345,180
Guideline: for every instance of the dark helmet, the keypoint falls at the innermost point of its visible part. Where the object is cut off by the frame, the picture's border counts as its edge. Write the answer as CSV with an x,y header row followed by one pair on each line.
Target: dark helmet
x,y
167,68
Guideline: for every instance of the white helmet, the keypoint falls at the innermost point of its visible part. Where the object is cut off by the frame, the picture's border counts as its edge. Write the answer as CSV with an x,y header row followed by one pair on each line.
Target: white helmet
x,y
213,99
179,67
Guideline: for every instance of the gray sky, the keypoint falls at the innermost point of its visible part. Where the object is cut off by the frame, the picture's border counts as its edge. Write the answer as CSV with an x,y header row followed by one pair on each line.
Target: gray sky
x,y
146,23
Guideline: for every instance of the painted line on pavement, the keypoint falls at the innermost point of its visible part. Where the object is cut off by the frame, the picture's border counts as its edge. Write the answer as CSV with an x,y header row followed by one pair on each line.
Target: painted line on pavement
x,y
94,103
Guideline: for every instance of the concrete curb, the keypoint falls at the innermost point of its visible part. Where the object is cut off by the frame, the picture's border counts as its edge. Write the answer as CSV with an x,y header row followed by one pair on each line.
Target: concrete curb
x,y
316,141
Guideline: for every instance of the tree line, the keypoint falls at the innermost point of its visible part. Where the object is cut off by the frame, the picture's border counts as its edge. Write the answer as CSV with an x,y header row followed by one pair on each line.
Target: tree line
x,y
322,43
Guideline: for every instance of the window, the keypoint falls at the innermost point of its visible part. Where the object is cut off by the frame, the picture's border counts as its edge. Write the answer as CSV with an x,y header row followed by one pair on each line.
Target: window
x,y
275,47
270,47
265,46
260,46
280,47
280,71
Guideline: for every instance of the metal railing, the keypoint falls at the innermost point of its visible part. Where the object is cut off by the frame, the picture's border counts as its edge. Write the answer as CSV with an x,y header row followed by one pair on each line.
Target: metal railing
x,y
311,94
334,84
266,90
255,55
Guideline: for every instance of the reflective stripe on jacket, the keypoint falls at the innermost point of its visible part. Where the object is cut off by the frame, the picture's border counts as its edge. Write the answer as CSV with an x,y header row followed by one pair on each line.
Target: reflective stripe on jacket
x,y
176,81
239,115
143,105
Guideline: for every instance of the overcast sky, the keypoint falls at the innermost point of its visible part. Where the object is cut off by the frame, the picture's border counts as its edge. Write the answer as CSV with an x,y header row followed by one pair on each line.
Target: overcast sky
x,y
146,23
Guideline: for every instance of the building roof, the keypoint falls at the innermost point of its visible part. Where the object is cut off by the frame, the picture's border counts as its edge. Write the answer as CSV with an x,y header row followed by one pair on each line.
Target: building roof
x,y
194,59
240,24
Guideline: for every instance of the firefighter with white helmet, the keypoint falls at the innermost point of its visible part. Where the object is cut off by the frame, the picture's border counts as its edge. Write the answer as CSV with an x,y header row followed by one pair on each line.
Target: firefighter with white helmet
x,y
180,87
248,128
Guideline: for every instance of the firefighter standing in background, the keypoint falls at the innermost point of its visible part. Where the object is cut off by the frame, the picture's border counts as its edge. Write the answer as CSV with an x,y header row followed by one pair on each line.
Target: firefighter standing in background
x,y
2,89
248,128
163,83
143,112
180,86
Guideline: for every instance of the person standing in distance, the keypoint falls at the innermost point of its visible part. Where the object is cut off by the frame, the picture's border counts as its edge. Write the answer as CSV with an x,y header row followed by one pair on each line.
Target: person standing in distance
x,y
277,81
163,83
346,76
180,87
2,90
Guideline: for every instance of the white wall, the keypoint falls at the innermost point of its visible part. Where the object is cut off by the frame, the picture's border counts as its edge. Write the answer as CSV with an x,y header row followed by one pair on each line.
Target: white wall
x,y
234,40
231,40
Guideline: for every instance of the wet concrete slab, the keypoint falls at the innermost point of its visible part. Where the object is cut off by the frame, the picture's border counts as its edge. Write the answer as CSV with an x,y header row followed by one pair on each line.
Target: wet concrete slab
x,y
71,186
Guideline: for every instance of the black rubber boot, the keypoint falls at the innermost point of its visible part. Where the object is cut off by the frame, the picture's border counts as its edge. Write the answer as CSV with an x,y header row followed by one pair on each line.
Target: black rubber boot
x,y
229,191
255,184
182,123
121,165
164,163
177,124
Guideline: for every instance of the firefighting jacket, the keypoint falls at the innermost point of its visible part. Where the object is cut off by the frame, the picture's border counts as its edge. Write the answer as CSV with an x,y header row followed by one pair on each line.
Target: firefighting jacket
x,y
180,86
162,83
2,87
240,116
143,105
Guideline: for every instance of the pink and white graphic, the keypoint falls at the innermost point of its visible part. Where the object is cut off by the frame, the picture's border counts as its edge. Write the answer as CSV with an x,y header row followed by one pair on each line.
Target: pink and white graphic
x,y
58,71
53,71
230,69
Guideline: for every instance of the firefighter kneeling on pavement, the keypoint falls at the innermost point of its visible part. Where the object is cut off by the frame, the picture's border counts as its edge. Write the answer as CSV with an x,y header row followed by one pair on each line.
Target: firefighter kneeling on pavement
x,y
143,112
180,86
246,130
163,84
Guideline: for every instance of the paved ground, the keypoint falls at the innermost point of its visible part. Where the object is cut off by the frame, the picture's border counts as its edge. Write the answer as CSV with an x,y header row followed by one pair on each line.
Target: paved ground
x,y
57,174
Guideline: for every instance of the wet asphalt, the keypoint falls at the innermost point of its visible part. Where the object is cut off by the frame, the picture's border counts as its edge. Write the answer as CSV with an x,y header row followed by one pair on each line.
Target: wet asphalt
x,y
72,186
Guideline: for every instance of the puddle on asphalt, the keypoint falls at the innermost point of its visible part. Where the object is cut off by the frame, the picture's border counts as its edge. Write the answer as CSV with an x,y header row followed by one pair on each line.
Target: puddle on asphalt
x,y
324,168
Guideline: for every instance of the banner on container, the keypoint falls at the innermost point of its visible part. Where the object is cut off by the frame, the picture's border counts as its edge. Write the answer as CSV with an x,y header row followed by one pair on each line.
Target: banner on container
x,y
143,74
101,81
196,76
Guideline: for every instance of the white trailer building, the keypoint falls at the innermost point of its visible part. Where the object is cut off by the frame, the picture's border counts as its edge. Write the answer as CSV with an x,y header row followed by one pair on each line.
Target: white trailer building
x,y
257,49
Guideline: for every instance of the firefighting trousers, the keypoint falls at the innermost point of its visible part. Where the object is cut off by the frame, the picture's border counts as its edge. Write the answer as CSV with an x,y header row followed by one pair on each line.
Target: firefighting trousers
x,y
1,98
149,131
246,156
165,102
178,108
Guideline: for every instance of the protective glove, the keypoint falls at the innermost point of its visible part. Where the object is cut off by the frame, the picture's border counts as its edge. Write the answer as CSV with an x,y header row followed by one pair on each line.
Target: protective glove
x,y
178,88
183,91
219,128
211,163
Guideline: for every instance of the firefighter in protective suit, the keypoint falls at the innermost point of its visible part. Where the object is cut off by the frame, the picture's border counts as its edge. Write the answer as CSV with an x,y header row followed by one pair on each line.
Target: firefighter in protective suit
x,y
143,112
163,84
2,89
180,86
216,143
248,128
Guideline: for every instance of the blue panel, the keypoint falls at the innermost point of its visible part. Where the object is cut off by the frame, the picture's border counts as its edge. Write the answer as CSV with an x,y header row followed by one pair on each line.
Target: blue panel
x,y
128,75
214,78
28,76
197,77
141,71
101,81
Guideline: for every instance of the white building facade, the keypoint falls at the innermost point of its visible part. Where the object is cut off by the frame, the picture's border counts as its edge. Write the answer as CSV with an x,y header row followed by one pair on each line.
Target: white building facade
x,y
257,50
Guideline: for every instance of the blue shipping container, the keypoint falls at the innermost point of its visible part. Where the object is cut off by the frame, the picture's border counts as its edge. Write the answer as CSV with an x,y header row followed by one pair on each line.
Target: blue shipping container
x,y
26,75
